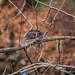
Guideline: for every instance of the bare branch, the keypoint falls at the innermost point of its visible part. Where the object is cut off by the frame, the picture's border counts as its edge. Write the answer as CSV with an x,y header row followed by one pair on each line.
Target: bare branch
x,y
54,8
46,39
4,71
38,65
21,13
16,15
55,16
58,11
48,11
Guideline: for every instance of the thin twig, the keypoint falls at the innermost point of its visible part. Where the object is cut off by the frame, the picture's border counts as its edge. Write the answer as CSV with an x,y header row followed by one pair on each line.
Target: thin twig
x,y
59,51
16,15
54,8
45,71
52,23
21,13
38,65
4,71
28,56
22,69
20,30
29,59
58,11
66,72
40,54
49,10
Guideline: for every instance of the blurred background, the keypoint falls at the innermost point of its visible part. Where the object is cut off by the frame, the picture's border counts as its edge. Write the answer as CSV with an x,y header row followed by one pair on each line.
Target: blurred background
x,y
12,33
